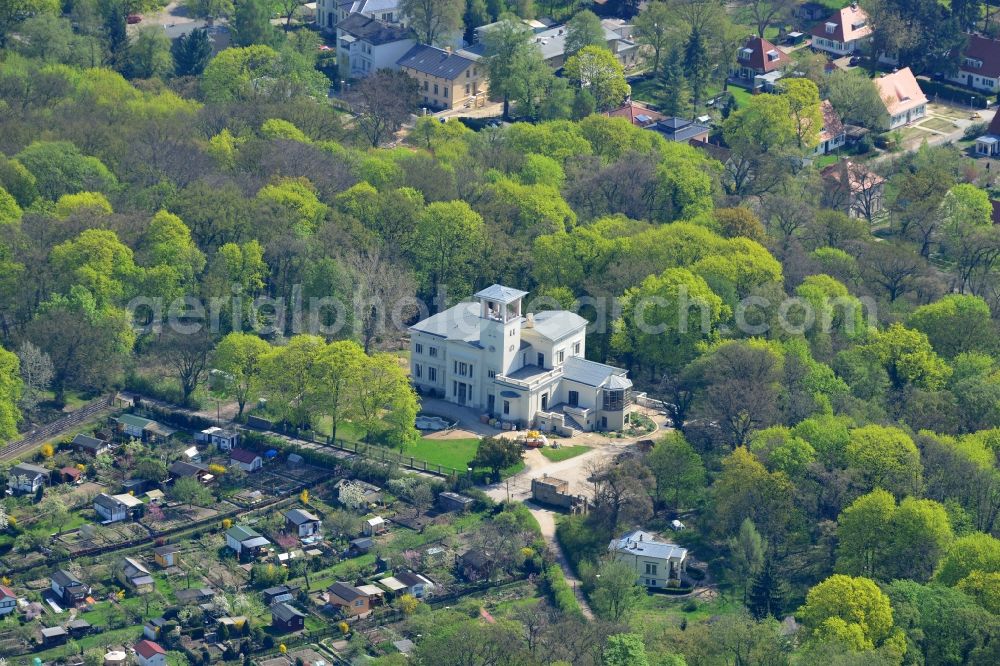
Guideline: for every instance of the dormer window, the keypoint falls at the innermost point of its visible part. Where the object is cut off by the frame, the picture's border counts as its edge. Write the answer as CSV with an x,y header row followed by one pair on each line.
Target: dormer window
x,y
973,63
772,55
858,25
831,27
745,54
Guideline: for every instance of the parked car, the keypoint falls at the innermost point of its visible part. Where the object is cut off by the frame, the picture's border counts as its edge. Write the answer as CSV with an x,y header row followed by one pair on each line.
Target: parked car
x,y
132,19
854,61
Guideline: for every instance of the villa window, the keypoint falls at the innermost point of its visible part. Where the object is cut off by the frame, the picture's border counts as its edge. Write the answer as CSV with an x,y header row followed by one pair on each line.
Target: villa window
x,y
417,371
506,407
432,374
650,569
492,374
420,348
432,351
576,349
435,89
573,399
562,356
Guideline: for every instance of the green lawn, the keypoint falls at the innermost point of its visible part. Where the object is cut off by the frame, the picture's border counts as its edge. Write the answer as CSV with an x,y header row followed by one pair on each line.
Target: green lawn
x,y
564,452
455,453
741,96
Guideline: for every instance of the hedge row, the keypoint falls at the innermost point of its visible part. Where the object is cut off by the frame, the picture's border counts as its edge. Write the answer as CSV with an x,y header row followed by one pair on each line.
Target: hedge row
x,y
937,89
561,593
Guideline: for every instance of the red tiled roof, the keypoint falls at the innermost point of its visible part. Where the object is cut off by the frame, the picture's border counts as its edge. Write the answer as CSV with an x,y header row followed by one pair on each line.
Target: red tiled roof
x,y
833,126
71,471
6,592
844,31
632,110
148,648
242,455
859,175
900,91
985,50
757,57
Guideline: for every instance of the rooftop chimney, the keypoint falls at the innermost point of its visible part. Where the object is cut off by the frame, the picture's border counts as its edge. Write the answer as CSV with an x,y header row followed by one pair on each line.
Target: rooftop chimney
x,y
529,320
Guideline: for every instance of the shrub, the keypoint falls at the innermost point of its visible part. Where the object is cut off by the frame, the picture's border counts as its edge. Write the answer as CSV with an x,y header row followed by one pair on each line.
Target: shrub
x,y
561,593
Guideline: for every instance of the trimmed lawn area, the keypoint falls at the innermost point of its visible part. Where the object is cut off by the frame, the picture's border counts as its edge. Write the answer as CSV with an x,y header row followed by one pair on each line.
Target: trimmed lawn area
x,y
455,453
564,452
657,611
939,124
741,96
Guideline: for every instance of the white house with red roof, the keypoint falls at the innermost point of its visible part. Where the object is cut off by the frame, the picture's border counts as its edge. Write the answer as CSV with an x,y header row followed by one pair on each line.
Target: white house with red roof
x,y
979,67
833,135
8,600
904,101
148,653
843,33
758,63
248,461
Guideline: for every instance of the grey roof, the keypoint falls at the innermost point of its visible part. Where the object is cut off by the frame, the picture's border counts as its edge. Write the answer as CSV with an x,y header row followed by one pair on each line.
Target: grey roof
x,y
166,550
108,501
433,61
345,591
409,579
63,578
500,294
368,6
276,590
373,31
255,542
679,129
618,382
645,544
88,442
460,322
28,469
455,497
284,611
184,468
300,516
552,42
145,579
404,645
51,632
592,373
135,564
556,324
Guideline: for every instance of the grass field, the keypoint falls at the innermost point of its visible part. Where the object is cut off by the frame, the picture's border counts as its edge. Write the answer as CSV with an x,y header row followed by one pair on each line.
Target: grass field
x,y
939,124
564,452
454,453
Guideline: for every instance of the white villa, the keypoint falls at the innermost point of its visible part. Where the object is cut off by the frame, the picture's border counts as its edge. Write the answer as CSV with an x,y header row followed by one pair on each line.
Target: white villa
x,y
528,370
655,562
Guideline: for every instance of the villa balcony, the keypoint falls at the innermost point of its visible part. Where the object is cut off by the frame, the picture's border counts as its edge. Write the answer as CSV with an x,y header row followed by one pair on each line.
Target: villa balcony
x,y
530,377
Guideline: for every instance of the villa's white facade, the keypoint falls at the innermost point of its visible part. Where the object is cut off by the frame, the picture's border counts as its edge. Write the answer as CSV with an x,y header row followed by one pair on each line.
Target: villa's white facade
x,y
527,370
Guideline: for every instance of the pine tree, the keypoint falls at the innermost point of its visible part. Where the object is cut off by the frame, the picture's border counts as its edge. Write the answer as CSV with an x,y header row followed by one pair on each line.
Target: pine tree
x,y
696,65
191,53
767,593
676,93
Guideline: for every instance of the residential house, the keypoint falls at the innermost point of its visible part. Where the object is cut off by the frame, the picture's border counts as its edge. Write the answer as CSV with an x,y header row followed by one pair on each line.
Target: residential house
x,y
445,79
474,565
278,593
180,469
246,542
833,135
248,461
26,478
759,64
52,636
843,33
113,508
449,501
285,617
854,189
655,562
132,574
904,101
347,599
681,130
374,526
8,600
302,522
979,67
416,584
149,653
523,369
331,12
356,494
366,45
68,589
91,445
988,145
635,113
223,439
143,429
